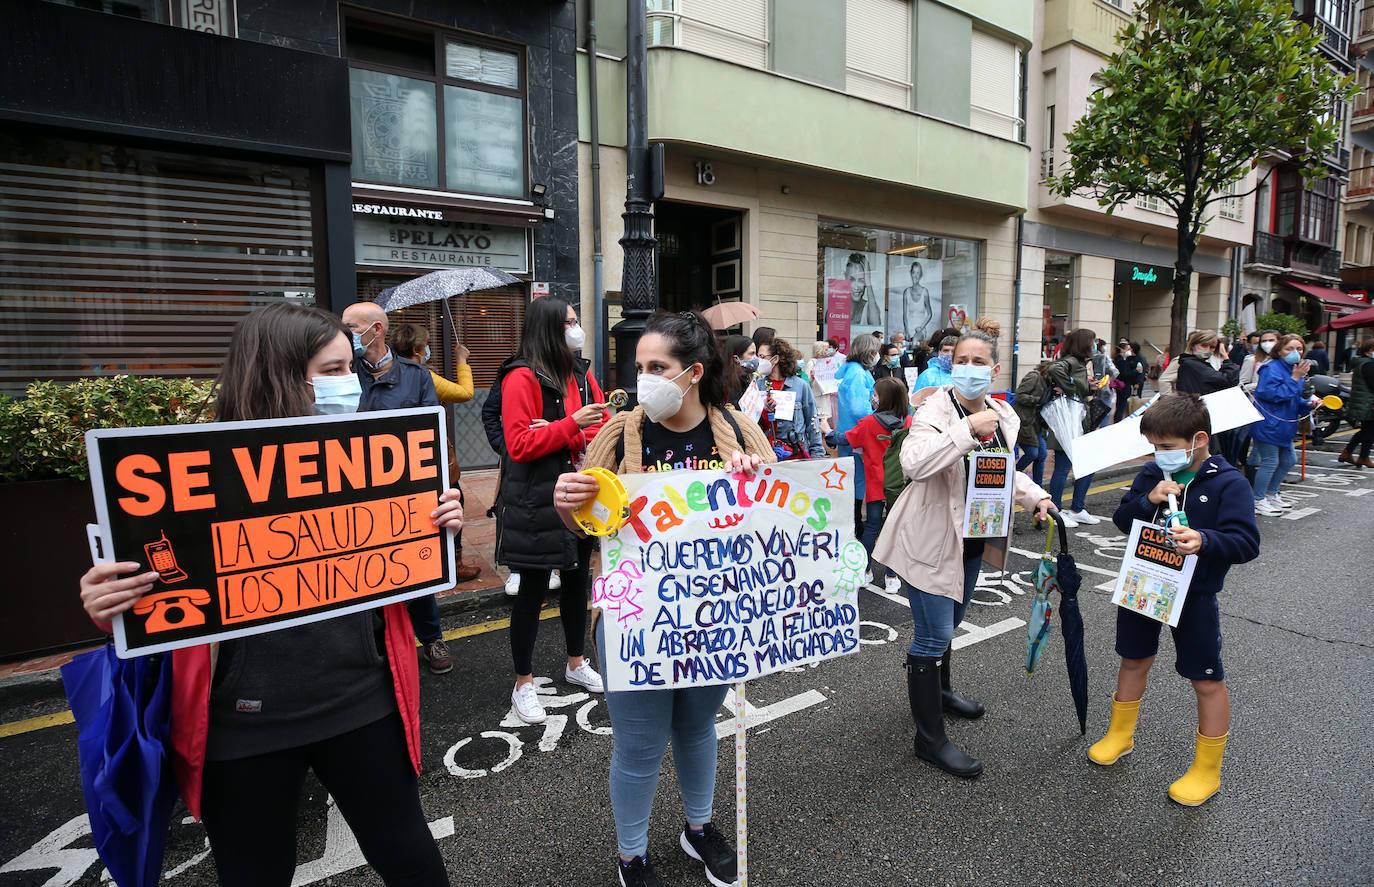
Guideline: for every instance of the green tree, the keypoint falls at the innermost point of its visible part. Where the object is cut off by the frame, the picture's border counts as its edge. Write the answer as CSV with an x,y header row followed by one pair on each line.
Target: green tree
x,y
1284,323
1197,89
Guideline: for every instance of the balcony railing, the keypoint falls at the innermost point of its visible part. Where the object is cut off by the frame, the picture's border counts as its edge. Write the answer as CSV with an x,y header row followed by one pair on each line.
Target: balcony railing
x,y
1334,40
1046,164
1268,249
1361,181
1364,102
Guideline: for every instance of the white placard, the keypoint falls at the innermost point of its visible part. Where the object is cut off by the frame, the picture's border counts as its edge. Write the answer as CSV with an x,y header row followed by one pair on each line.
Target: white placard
x,y
912,374
1122,442
987,503
719,578
1154,577
784,405
751,403
823,372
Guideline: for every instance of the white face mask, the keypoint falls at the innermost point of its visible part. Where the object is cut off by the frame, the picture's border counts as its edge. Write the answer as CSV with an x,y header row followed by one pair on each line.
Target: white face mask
x,y
335,395
1266,347
765,366
660,397
575,337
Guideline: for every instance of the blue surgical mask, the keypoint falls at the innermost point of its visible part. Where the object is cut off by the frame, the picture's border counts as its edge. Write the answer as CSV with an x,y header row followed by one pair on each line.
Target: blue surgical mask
x,y
1292,357
336,394
425,359
1170,461
970,380
944,361
893,361
358,343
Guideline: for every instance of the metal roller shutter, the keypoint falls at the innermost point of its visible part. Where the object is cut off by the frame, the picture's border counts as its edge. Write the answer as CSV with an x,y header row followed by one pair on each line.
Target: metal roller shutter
x,y
878,50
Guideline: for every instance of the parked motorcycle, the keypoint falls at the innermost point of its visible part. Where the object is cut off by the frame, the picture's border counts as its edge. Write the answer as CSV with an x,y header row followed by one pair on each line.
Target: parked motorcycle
x,y
1326,421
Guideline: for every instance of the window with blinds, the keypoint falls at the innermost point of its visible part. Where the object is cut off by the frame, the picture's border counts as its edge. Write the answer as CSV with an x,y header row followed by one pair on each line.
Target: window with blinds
x,y
994,86
734,30
140,261
878,50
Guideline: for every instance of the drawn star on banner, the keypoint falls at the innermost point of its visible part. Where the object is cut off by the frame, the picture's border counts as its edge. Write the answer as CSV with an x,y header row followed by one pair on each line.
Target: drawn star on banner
x,y
835,483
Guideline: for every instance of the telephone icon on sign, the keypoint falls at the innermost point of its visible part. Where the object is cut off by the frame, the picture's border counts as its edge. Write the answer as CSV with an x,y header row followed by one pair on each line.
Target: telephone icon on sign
x,y
164,560
176,608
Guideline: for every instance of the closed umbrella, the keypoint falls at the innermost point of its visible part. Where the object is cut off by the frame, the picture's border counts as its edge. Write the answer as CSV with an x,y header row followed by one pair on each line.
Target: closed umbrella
x,y
1045,581
1070,580
122,709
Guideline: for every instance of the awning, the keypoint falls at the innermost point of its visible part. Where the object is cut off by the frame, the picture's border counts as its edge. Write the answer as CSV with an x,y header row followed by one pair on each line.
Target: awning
x,y
1332,299
1361,318
390,200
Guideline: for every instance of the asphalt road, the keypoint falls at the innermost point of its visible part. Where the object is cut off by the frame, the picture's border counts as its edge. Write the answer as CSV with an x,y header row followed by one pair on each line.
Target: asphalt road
x,y
836,796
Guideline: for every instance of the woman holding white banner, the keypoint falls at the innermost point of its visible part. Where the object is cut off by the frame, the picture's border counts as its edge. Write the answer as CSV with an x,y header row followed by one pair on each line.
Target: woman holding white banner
x,y
931,543
340,696
682,414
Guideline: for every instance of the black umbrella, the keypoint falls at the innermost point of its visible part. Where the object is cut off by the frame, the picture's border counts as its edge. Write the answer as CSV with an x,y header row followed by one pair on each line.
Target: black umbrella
x,y
438,286
1071,625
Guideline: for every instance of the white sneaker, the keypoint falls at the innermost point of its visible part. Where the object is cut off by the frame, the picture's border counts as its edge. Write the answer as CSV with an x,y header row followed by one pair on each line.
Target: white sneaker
x,y
584,676
893,585
868,577
1067,518
1082,517
524,701
1279,502
1263,506
555,581
513,584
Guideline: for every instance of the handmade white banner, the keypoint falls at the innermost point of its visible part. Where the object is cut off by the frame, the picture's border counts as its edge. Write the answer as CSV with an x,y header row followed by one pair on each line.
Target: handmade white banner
x,y
824,370
1122,442
716,579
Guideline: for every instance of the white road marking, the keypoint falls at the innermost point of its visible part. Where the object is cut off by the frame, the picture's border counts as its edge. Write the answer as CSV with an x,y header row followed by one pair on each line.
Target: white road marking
x,y
1360,492
882,592
763,715
1300,513
1087,568
973,633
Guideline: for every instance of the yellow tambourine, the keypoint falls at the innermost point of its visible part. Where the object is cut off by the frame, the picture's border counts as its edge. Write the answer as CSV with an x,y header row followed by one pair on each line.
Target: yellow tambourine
x,y
605,514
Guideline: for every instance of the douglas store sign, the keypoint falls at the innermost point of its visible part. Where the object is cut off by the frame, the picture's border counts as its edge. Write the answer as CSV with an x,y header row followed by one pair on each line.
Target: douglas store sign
x,y
413,238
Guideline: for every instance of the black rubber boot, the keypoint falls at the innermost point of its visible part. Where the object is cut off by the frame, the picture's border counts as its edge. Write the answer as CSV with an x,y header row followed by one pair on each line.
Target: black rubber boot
x,y
954,703
923,689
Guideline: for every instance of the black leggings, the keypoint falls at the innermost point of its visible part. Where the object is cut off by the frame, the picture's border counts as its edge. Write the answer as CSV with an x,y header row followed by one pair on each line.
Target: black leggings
x,y
1364,439
524,617
249,808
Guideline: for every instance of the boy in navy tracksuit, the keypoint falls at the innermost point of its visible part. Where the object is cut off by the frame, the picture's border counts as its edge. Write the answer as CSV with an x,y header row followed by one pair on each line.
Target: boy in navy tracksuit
x,y
1221,531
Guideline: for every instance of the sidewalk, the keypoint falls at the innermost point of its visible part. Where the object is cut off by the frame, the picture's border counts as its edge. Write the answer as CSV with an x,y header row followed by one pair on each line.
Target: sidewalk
x,y
479,547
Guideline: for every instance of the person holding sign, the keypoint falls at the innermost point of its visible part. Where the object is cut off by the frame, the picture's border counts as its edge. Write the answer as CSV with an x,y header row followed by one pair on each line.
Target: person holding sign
x,y
551,409
326,696
960,441
789,416
1217,528
682,410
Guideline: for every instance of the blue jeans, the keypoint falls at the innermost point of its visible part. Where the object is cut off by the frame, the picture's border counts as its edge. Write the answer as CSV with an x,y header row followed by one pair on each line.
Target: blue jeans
x,y
1275,461
873,525
1062,465
424,618
936,616
1037,457
642,723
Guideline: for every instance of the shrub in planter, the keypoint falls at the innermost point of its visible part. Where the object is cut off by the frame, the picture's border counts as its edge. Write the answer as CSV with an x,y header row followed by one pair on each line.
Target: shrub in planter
x,y
42,435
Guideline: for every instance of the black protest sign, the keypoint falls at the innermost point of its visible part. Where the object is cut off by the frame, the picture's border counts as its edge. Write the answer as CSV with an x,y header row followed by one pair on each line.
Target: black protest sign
x,y
256,526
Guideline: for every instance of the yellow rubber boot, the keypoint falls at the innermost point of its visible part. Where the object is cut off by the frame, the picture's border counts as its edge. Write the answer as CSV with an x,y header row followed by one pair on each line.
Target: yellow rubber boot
x,y
1120,738
1203,779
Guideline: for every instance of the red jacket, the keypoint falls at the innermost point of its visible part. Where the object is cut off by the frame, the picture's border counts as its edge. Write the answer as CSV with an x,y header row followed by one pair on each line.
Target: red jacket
x,y
190,718
522,403
870,437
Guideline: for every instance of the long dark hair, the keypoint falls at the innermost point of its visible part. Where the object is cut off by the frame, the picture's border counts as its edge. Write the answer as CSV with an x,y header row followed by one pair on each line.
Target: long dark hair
x,y
542,343
735,346
691,340
1079,344
263,376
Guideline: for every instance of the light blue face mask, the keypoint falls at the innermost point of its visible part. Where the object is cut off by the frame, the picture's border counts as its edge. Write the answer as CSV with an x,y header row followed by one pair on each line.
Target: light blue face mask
x,y
358,343
1170,461
1292,358
336,395
426,357
970,380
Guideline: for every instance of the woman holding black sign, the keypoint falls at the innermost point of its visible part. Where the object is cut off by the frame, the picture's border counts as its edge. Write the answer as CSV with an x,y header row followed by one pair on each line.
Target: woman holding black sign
x,y
251,715
938,566
682,421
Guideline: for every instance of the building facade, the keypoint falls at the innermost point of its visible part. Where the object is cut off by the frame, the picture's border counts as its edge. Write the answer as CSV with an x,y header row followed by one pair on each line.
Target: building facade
x,y
1084,268
309,152
1357,254
846,167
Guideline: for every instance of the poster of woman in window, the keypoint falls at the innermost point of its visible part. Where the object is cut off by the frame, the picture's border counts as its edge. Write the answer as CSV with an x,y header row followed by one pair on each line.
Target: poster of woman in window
x,y
867,276
914,297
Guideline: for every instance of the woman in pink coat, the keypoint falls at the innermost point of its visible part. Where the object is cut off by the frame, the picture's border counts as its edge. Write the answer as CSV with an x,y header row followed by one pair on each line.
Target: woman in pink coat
x,y
922,540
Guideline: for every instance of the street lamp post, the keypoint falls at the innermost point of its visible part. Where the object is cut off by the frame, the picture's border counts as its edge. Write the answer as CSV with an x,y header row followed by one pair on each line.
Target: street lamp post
x,y
639,287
